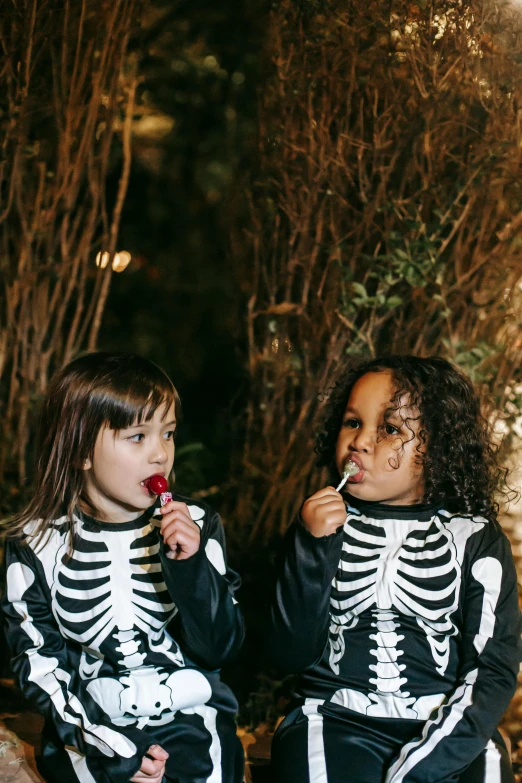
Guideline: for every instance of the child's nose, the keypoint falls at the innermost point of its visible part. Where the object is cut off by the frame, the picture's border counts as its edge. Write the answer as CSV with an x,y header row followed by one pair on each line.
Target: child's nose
x,y
364,440
159,454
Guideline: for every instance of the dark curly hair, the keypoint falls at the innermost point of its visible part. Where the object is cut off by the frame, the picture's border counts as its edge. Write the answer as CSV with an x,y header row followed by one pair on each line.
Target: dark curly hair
x,y
459,458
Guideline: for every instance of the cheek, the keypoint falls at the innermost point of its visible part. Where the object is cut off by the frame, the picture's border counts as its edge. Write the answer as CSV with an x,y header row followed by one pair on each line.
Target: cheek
x,y
119,460
341,446
395,456
412,461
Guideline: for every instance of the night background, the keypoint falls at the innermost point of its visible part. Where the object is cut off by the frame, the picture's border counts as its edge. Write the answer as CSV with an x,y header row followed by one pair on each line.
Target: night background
x,y
297,183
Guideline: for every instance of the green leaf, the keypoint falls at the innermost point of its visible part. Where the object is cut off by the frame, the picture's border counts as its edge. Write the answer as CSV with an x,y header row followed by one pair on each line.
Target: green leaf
x,y
360,290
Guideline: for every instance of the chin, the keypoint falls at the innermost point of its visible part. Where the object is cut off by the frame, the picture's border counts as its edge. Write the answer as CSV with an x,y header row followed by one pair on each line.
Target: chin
x,y
139,506
362,493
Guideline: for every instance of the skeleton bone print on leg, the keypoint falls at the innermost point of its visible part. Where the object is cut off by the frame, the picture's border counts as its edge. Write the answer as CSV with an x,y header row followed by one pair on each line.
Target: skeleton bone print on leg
x,y
396,568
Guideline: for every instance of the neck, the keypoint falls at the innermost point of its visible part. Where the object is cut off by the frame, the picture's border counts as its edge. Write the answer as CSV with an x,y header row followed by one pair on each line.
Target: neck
x,y
107,511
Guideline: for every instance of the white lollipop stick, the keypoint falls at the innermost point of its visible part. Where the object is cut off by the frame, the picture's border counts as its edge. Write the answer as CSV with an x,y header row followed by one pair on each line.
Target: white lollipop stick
x,y
343,482
350,469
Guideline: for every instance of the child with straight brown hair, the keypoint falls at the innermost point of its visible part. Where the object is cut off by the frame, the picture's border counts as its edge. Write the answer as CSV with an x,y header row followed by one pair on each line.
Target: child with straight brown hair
x,y
121,612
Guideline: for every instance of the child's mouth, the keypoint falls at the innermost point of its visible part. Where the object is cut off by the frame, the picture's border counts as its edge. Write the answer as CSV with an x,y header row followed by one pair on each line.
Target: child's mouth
x,y
355,477
146,489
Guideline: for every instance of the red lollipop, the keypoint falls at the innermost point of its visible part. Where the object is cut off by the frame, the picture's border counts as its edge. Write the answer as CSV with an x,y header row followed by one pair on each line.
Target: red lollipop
x,y
157,484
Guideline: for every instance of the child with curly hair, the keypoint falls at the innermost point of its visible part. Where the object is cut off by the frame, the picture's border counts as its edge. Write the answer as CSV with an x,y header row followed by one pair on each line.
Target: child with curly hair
x,y
397,599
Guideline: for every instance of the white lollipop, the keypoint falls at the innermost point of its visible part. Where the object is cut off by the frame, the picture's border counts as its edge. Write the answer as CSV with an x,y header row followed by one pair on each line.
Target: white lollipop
x,y
351,468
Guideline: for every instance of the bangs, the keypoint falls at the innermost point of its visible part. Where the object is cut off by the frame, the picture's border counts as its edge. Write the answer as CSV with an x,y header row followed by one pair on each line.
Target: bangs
x,y
136,408
132,393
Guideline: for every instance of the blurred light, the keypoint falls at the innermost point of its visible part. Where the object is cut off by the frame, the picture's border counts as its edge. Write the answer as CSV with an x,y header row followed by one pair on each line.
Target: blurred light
x,y
210,62
120,261
102,259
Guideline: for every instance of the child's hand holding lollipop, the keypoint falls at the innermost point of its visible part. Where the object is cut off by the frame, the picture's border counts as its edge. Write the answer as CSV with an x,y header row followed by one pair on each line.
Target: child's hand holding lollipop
x,y
325,512
180,533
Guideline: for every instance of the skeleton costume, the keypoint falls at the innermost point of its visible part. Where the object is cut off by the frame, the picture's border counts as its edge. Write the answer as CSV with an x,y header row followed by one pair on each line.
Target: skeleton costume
x,y
119,648
405,627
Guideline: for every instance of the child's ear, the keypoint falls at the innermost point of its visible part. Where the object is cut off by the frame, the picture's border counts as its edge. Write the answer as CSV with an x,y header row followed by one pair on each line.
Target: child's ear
x,y
87,464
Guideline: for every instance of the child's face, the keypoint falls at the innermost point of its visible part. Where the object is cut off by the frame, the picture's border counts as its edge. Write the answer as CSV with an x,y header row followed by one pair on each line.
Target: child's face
x,y
380,443
123,460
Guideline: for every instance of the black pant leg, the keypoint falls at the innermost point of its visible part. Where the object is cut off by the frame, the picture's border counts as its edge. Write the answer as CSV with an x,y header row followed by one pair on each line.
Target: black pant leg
x,y
311,747
203,747
289,755
492,766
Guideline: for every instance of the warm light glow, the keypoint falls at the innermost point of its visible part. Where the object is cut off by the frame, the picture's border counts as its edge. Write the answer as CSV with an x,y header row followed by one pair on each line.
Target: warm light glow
x,y
120,261
102,259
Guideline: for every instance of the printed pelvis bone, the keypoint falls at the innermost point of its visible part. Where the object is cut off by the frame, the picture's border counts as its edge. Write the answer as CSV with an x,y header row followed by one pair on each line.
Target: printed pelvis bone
x,y
148,693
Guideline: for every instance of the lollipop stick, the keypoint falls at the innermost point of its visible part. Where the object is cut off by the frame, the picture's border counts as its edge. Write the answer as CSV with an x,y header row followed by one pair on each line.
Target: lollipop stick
x,y
343,482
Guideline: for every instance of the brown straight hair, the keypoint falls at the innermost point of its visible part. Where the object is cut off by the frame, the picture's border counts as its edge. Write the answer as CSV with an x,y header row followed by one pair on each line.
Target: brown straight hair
x,y
114,390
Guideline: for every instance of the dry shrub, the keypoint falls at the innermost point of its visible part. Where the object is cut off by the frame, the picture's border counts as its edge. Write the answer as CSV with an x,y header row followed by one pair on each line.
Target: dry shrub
x,y
385,216
63,86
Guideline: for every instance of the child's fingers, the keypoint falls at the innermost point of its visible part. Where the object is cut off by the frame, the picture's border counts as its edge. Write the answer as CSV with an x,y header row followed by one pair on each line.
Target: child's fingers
x,y
176,534
150,771
324,512
142,777
325,505
333,515
181,553
151,766
326,495
177,515
181,527
157,752
182,538
182,544
175,505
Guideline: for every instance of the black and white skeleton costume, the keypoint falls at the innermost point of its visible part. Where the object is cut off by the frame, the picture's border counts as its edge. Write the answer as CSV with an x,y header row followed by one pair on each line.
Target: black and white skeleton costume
x,y
119,648
405,628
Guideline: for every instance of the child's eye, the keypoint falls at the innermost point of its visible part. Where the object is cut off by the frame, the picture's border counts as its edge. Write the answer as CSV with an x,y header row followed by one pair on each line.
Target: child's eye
x,y
137,438
169,435
351,423
390,429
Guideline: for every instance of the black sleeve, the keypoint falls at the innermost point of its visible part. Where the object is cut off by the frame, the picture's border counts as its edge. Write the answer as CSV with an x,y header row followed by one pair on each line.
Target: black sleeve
x,y
202,587
300,609
490,655
49,678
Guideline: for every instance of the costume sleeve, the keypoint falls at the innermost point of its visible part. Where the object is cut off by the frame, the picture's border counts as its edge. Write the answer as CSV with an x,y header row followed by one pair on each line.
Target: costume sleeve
x,y
48,675
202,587
460,729
300,608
